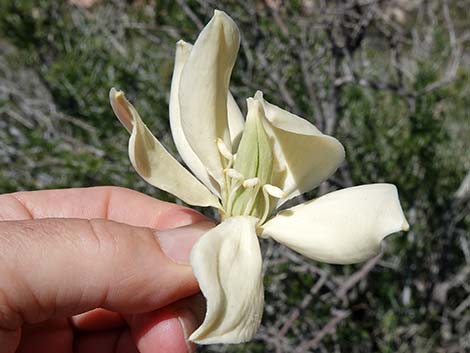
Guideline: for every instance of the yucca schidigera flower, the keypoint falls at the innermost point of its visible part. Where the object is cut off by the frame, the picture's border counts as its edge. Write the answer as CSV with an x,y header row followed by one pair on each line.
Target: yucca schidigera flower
x,y
246,170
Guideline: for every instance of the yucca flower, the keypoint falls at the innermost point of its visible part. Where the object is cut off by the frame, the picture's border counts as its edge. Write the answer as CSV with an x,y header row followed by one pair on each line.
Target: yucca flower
x,y
246,170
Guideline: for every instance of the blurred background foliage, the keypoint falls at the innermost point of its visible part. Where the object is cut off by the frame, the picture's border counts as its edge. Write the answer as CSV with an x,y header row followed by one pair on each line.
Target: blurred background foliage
x,y
390,79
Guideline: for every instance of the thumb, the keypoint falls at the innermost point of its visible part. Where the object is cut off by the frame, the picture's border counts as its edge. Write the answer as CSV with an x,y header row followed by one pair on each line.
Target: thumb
x,y
61,267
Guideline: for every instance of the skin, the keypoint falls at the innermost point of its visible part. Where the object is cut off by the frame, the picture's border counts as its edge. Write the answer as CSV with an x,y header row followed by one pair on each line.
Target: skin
x,y
100,269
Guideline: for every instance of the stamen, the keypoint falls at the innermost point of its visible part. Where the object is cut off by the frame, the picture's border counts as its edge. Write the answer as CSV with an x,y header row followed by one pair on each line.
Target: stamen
x,y
252,183
224,151
233,173
270,190
274,191
233,180
249,183
233,191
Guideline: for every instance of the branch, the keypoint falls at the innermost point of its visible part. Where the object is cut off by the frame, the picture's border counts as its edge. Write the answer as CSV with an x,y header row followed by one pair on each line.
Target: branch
x,y
294,315
357,276
456,51
191,14
327,329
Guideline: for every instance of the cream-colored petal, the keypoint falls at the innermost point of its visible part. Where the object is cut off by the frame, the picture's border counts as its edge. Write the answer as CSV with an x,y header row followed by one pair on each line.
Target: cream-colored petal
x,y
153,163
304,155
203,91
342,227
193,162
227,264
236,122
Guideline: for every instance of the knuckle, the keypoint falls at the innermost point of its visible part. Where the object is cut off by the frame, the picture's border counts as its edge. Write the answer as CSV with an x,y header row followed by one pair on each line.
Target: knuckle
x,y
102,235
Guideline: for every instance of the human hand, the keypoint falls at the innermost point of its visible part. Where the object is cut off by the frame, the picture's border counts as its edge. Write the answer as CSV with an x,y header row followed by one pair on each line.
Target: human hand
x,y
97,270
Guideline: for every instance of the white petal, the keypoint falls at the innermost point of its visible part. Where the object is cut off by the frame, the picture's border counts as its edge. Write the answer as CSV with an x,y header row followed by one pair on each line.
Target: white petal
x,y
203,90
303,153
186,152
227,264
153,163
342,227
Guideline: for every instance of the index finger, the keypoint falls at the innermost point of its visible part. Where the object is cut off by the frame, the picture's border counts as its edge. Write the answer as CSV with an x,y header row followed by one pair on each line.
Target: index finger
x,y
106,202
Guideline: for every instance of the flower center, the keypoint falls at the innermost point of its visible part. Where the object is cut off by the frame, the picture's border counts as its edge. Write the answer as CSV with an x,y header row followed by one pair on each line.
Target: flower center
x,y
245,196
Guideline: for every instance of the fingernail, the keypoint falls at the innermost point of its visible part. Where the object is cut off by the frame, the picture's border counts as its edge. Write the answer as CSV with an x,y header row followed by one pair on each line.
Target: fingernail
x,y
180,217
177,243
189,323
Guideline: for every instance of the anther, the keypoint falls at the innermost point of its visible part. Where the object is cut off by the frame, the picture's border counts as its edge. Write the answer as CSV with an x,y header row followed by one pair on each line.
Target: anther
x,y
223,149
249,183
274,191
233,174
